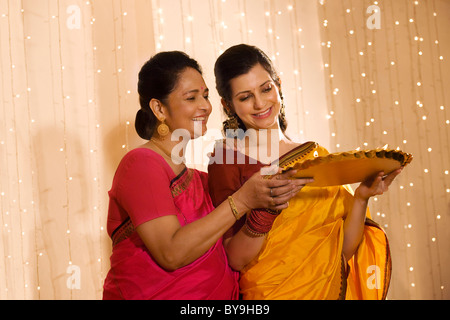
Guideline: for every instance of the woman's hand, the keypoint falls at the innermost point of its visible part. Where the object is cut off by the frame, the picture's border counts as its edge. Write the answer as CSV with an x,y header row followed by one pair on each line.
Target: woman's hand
x,y
260,193
274,194
354,222
376,185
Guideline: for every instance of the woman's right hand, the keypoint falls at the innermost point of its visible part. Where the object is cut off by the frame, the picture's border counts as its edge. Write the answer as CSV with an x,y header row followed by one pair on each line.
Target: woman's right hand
x,y
259,192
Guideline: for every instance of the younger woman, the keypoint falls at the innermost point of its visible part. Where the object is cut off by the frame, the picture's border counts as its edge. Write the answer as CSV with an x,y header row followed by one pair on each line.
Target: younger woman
x,y
304,252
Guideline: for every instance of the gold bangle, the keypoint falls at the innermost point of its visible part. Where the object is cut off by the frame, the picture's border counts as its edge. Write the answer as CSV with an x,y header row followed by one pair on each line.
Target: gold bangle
x,y
233,208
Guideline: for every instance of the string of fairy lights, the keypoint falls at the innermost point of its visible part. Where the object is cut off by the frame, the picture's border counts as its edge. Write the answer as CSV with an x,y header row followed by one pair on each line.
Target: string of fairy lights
x,y
370,79
31,122
245,31
439,97
117,18
364,89
18,208
64,102
399,101
3,188
436,218
94,137
7,216
297,62
416,84
329,66
429,142
425,113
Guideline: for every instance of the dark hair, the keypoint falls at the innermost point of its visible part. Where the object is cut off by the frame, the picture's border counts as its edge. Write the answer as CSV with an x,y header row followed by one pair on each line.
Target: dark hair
x,y
157,79
236,61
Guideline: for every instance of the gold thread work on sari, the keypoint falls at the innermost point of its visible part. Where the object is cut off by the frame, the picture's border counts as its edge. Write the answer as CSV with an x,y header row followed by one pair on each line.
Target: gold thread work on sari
x,y
125,230
181,183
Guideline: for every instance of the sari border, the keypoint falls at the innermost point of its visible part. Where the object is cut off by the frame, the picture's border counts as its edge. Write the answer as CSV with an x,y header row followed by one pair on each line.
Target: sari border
x,y
123,231
388,264
344,275
296,153
179,184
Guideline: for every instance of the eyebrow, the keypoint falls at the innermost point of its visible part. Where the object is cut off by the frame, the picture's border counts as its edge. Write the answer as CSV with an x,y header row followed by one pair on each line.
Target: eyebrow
x,y
195,91
249,90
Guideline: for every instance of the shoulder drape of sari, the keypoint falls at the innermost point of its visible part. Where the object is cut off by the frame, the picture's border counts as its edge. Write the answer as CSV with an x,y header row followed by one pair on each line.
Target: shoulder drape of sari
x,y
135,275
302,258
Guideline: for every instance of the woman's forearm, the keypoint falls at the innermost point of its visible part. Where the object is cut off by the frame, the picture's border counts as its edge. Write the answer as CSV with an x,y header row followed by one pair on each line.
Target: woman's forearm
x,y
354,227
174,246
193,240
354,223
241,249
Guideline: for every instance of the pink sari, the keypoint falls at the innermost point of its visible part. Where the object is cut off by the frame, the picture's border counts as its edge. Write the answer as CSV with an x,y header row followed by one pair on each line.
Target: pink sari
x,y
135,275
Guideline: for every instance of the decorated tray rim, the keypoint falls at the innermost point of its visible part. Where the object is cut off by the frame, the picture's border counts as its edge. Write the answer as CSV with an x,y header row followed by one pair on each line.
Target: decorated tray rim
x,y
402,157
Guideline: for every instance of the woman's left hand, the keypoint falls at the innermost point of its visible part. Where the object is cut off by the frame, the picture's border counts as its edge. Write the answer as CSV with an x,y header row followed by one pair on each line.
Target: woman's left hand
x,y
376,186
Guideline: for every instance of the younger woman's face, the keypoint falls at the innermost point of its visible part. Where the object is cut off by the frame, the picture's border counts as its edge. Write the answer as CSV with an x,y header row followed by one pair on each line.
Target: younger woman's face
x,y
256,99
188,104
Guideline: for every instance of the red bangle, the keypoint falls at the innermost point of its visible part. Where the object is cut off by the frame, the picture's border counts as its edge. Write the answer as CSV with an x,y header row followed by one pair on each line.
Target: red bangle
x,y
259,222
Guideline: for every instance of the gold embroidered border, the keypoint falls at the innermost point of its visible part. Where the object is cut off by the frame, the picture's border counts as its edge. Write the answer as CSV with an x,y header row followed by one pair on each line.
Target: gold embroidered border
x,y
179,185
297,154
344,276
123,232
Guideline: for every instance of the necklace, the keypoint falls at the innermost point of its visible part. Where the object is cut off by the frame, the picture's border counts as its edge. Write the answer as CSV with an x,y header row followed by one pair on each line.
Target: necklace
x,y
174,158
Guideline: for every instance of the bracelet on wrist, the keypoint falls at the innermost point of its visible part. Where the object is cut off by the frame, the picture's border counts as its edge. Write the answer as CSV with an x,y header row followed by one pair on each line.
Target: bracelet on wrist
x,y
233,208
252,234
260,221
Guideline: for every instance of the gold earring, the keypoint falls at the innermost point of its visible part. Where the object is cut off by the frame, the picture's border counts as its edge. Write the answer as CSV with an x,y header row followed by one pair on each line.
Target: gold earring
x,y
163,129
231,123
283,110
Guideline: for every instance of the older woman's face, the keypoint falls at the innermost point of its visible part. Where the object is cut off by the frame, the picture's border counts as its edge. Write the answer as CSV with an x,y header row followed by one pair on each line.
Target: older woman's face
x,y
256,100
189,105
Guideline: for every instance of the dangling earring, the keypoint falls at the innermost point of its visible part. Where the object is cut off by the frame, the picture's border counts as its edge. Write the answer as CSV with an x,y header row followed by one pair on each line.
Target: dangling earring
x,y
233,123
163,129
283,111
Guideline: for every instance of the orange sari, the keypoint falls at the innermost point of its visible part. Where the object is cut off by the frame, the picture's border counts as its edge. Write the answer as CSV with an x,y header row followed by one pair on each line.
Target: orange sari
x,y
301,257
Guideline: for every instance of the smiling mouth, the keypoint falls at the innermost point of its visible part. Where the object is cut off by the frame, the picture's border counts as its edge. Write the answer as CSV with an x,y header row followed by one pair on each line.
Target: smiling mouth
x,y
263,114
200,119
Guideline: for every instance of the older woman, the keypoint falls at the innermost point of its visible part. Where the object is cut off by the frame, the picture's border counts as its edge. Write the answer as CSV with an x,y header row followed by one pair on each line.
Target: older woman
x,y
167,236
301,253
